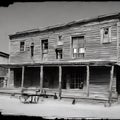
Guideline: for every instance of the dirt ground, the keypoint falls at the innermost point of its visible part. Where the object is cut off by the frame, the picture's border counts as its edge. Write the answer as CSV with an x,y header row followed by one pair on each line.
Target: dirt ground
x,y
51,108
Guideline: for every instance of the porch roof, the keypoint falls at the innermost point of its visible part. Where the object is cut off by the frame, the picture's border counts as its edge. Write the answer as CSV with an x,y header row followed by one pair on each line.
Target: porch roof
x,y
63,63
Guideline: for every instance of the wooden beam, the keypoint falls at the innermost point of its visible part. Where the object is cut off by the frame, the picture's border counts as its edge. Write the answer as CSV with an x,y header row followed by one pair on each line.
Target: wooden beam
x,y
111,83
41,77
60,81
87,80
23,71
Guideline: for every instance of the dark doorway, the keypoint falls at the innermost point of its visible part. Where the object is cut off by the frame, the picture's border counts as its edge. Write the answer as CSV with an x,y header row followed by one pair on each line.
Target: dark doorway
x,y
32,77
51,77
17,77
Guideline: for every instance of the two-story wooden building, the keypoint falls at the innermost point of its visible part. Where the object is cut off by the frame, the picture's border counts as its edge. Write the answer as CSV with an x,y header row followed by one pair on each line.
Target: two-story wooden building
x,y
76,59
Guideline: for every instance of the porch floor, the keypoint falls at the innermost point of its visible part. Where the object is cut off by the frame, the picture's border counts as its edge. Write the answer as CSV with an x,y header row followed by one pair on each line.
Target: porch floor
x,y
71,94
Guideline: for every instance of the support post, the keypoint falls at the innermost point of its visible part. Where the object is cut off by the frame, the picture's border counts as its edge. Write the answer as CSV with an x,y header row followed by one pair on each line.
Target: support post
x,y
60,81
41,77
87,80
23,71
8,82
10,78
110,87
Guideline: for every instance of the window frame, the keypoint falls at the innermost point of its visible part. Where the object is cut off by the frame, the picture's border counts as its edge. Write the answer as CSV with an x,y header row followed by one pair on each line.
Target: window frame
x,y
44,43
44,51
77,55
32,49
59,38
102,32
60,51
22,47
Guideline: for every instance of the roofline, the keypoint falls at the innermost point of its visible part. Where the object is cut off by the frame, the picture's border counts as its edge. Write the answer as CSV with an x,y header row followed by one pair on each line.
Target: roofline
x,y
59,26
3,54
64,63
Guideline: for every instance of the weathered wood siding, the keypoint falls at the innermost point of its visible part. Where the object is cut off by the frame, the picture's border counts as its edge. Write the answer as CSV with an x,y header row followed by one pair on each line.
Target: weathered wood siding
x,y
118,46
3,72
91,32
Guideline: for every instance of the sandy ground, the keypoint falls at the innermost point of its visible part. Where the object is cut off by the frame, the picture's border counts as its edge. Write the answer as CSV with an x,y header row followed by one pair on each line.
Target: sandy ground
x,y
50,108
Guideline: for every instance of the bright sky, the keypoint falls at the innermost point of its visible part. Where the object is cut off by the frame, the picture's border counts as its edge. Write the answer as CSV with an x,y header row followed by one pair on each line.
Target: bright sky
x,y
24,16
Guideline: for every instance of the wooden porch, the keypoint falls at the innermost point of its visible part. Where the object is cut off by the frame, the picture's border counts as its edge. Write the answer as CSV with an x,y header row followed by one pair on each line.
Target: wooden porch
x,y
89,91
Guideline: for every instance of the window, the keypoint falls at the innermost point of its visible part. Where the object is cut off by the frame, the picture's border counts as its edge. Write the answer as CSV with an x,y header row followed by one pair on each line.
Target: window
x,y
44,49
60,42
44,45
60,37
58,53
22,46
106,35
78,48
77,80
32,49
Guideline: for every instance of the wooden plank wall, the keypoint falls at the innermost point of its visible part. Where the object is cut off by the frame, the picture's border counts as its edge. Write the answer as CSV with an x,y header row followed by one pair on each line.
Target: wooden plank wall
x,y
118,28
91,31
3,72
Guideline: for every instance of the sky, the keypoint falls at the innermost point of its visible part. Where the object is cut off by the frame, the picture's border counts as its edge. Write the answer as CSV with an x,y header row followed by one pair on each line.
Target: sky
x,y
30,15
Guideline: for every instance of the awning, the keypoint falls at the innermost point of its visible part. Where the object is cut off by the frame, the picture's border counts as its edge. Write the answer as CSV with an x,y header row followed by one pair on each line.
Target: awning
x,y
96,62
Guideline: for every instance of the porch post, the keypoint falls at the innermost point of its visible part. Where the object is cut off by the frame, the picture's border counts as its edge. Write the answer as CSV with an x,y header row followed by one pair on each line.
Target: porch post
x,y
60,80
23,71
111,83
10,82
87,80
41,77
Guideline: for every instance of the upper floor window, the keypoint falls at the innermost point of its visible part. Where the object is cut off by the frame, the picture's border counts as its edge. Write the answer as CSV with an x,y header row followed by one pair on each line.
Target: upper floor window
x,y
22,46
106,35
44,49
44,45
60,37
60,42
78,47
32,49
58,53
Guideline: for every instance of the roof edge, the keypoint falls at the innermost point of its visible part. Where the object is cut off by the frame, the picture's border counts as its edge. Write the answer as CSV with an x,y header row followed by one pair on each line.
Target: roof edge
x,y
82,21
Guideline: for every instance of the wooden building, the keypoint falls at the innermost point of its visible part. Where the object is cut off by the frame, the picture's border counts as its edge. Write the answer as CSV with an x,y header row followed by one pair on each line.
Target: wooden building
x,y
4,59
79,59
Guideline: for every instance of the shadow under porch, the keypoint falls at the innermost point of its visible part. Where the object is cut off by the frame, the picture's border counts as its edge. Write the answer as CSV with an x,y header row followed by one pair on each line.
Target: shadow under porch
x,y
31,77
92,82
87,82
69,81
